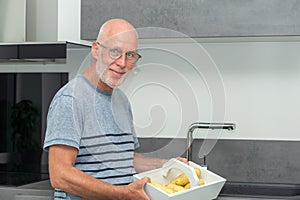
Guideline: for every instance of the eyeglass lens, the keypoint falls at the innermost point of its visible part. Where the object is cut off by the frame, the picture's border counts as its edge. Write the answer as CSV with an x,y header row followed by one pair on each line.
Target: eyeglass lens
x,y
116,53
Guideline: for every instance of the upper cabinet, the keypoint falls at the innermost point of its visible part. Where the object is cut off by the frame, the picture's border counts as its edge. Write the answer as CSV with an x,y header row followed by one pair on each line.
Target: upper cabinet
x,y
196,18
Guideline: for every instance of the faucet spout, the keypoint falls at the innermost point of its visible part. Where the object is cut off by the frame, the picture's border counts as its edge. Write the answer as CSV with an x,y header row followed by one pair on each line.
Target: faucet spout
x,y
204,125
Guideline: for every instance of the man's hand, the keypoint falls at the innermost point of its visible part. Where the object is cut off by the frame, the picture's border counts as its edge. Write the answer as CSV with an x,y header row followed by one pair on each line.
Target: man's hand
x,y
135,190
184,160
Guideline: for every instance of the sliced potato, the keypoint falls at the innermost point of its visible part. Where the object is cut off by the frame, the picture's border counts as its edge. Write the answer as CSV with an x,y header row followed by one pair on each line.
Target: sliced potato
x,y
187,186
181,180
179,183
162,187
198,172
201,181
175,187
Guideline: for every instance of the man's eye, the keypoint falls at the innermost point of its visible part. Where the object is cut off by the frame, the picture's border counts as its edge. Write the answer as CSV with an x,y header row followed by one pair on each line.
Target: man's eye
x,y
131,54
115,51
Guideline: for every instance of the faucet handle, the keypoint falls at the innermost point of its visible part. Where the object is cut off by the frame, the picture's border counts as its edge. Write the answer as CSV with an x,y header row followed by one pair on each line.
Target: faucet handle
x,y
188,170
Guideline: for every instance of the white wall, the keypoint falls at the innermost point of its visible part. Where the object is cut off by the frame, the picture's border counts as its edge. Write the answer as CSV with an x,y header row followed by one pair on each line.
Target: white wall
x,y
262,82
12,20
53,20
41,20
255,85
68,24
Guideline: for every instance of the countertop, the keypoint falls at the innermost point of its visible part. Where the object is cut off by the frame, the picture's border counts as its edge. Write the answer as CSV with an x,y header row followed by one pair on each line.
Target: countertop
x,y
44,189
257,198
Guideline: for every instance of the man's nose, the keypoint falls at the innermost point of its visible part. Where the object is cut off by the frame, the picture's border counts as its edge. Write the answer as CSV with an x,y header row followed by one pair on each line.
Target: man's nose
x,y
122,60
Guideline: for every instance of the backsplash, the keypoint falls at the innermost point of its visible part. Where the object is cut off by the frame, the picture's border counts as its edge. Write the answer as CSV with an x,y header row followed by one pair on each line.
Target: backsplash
x,y
237,160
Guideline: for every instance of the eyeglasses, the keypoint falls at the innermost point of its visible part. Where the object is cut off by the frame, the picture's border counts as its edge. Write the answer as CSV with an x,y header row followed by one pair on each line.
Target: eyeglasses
x,y
115,53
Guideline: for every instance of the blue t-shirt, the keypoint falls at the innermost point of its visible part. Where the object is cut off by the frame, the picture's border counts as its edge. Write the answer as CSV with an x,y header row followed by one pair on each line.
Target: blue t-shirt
x,y
97,123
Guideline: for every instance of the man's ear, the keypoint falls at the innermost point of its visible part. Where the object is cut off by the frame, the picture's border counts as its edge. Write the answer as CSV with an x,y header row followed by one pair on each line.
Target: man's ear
x,y
94,50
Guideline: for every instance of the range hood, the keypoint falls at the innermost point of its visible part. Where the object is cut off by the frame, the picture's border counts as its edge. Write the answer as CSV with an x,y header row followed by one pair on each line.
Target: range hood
x,y
39,31
45,52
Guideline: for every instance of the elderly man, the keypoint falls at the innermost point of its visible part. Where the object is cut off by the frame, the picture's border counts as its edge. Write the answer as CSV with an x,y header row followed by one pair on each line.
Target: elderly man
x,y
90,135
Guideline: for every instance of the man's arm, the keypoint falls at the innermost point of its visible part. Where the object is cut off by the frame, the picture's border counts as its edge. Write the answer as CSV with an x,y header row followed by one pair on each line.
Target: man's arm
x,y
65,176
142,163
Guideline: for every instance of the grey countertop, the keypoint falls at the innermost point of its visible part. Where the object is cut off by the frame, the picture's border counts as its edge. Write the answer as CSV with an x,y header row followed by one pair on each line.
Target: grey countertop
x,y
258,198
44,188
242,198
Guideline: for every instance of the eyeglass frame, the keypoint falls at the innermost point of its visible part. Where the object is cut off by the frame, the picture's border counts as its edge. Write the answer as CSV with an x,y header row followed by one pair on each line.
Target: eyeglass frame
x,y
121,52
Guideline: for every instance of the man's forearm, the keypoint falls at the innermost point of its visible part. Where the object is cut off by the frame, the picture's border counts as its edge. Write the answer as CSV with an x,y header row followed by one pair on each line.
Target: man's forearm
x,y
81,184
87,187
64,176
142,163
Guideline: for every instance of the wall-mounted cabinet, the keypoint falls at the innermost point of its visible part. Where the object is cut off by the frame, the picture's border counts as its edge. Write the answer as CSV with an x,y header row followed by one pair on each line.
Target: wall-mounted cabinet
x,y
33,51
195,18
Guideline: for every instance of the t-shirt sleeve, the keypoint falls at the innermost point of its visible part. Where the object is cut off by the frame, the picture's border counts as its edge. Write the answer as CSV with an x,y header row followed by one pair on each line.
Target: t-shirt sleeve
x,y
63,124
136,142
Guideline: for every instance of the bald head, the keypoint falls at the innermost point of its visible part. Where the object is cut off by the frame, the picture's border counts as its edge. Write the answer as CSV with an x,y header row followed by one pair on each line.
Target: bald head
x,y
116,27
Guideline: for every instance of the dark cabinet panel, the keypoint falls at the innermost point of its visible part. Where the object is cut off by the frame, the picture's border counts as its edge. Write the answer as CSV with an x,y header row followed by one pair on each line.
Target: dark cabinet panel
x,y
8,52
42,51
33,51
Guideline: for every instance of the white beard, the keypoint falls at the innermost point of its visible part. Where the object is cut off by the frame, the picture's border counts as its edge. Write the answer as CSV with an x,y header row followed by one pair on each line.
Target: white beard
x,y
104,77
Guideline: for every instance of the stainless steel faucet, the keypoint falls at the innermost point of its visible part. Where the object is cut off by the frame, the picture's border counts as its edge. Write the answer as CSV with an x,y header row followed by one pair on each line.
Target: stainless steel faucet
x,y
204,125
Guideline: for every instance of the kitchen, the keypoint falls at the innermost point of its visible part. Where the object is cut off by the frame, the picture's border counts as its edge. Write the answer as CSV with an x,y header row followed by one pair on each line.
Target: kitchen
x,y
242,69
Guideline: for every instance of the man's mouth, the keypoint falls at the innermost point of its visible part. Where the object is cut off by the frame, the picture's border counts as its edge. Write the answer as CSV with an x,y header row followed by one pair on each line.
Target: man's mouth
x,y
117,73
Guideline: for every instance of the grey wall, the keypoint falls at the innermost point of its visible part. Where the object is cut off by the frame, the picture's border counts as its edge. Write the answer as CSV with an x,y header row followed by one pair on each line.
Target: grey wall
x,y
197,18
236,160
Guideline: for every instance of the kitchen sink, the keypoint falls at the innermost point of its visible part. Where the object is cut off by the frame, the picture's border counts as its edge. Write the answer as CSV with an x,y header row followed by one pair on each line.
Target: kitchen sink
x,y
279,191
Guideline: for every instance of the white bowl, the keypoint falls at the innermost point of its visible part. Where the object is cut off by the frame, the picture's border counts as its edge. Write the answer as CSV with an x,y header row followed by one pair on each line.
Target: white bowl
x,y
210,190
